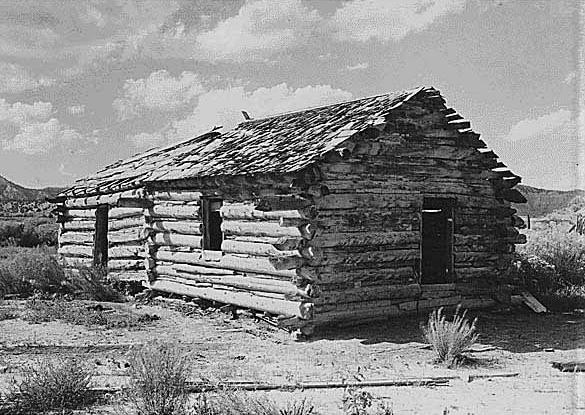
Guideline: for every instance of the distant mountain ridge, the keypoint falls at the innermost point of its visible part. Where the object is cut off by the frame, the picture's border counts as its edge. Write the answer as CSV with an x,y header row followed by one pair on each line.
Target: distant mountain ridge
x,y
541,202
10,192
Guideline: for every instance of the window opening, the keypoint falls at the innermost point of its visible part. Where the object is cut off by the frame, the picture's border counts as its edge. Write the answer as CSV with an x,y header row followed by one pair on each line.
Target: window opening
x,y
100,237
212,234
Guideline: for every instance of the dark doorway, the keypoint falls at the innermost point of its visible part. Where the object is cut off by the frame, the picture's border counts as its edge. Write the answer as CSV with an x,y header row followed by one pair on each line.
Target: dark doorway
x,y
212,235
437,240
100,237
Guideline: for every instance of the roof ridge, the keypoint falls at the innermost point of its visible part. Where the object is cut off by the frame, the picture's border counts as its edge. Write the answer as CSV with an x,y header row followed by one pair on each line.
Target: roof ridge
x,y
411,91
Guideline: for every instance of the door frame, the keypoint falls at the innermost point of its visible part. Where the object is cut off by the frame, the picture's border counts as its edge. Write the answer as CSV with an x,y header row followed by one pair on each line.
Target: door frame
x,y
439,202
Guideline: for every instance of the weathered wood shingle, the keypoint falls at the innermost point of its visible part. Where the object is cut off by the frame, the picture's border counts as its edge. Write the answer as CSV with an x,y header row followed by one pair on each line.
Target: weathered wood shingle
x,y
278,144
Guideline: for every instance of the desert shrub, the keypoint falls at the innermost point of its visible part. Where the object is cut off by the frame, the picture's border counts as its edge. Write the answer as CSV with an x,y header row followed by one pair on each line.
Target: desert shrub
x,y
90,283
52,385
159,374
552,266
358,401
553,258
30,233
235,402
32,271
450,338
37,271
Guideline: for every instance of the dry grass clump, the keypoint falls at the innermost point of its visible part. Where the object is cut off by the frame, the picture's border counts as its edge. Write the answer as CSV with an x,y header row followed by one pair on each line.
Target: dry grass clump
x,y
159,374
84,314
53,385
450,338
234,402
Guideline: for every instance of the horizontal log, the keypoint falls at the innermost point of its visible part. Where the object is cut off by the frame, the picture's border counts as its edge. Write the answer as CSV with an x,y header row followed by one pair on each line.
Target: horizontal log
x,y
191,227
78,225
375,273
283,202
126,235
352,294
114,252
130,197
135,276
266,229
174,211
126,223
176,239
374,239
236,281
371,257
231,262
240,298
246,211
178,195
282,243
125,264
76,238
430,303
252,248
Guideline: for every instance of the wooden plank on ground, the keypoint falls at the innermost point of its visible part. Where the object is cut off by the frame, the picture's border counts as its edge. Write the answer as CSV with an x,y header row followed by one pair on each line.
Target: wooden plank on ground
x,y
532,302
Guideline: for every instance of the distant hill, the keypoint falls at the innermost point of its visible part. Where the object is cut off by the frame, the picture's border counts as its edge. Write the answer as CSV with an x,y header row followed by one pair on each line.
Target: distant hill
x,y
13,192
17,202
541,202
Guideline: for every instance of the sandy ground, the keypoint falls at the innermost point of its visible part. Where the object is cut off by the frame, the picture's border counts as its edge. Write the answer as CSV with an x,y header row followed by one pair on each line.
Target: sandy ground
x,y
247,350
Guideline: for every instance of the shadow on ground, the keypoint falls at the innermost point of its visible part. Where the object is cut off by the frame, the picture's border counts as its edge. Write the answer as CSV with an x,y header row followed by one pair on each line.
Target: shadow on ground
x,y
515,331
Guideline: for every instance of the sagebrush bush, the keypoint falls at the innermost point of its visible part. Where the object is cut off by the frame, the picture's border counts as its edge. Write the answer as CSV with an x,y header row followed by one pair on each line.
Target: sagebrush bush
x,y
234,402
61,384
31,271
159,373
32,232
450,338
90,283
553,258
37,271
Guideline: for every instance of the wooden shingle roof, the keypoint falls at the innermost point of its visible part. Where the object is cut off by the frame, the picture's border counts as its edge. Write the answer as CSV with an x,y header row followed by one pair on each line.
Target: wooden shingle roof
x,y
278,144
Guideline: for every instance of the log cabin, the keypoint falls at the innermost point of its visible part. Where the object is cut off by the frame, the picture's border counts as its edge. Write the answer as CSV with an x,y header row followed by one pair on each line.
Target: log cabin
x,y
340,214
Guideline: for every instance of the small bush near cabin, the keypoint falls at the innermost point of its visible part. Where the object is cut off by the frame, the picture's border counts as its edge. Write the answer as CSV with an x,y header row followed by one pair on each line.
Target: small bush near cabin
x,y
31,271
450,338
552,266
54,385
234,402
159,374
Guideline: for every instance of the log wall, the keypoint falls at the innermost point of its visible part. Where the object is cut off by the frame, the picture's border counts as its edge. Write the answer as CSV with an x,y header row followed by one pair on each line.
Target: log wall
x,y
125,239
257,265
370,219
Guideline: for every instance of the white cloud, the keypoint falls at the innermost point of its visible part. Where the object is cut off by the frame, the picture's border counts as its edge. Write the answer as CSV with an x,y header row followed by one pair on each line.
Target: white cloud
x,y
145,141
261,27
386,20
76,109
223,107
31,129
358,66
159,92
15,79
557,122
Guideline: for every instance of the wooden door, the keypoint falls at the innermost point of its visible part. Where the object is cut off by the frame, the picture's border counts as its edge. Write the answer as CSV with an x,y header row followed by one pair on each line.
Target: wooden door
x,y
437,241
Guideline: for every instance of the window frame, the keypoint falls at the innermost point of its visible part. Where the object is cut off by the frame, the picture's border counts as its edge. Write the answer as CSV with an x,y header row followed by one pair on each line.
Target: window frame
x,y
211,224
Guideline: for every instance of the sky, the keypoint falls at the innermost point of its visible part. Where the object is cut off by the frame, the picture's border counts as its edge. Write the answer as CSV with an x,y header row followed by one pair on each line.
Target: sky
x,y
84,83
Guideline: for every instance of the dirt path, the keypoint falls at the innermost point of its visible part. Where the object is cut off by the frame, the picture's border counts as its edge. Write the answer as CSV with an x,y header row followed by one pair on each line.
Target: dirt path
x,y
245,350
